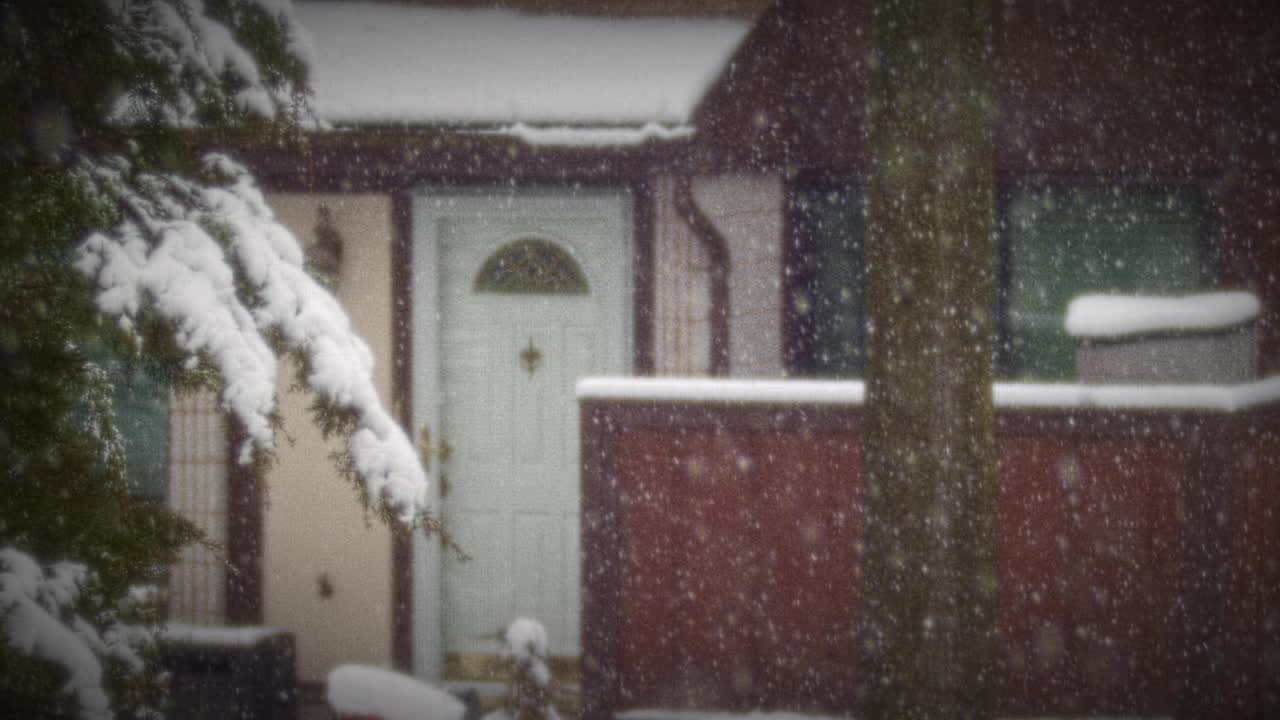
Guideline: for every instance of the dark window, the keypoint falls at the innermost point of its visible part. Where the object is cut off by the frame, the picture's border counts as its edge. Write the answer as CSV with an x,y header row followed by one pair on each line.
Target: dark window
x,y
825,278
1060,242
140,405
142,415
1055,244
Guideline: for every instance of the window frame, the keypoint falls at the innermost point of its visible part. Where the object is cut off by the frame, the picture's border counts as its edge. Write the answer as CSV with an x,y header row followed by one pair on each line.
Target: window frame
x,y
493,278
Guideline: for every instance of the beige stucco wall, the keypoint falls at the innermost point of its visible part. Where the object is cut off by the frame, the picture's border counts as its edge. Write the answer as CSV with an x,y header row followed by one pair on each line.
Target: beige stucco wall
x,y
748,212
313,523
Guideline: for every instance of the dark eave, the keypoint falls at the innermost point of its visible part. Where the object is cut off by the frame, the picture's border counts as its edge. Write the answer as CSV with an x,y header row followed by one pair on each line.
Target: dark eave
x,y
389,159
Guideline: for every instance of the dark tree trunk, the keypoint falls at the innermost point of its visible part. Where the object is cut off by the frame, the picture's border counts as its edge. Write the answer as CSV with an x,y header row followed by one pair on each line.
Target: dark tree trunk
x,y
929,467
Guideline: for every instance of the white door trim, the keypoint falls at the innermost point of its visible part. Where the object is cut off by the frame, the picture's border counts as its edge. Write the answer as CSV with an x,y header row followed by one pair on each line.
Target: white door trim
x,y
430,207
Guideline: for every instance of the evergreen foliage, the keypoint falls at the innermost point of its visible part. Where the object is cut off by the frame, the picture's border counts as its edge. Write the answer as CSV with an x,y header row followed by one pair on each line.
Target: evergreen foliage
x,y
85,82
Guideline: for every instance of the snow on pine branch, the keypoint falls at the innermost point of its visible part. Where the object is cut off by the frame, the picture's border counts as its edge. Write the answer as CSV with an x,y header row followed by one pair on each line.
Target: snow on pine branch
x,y
37,618
197,65
210,259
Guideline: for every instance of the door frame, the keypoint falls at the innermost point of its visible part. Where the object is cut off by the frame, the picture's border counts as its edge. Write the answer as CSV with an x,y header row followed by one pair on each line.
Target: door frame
x,y
430,205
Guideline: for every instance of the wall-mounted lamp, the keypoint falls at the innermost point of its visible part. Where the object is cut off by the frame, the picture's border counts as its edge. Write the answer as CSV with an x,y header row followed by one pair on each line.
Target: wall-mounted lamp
x,y
324,586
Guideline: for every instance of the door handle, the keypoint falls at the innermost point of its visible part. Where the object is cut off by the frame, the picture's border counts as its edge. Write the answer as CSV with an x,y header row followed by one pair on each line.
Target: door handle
x,y
424,447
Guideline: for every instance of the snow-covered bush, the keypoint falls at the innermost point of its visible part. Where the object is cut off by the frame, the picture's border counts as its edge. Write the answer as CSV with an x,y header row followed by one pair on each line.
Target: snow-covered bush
x,y
530,692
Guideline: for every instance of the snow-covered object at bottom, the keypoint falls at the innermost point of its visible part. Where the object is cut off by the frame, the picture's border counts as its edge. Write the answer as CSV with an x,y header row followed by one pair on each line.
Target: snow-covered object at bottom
x,y
526,646
370,691
1114,316
606,136
529,695
526,640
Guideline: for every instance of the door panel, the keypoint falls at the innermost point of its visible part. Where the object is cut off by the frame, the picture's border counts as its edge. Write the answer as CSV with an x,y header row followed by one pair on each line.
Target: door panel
x,y
477,591
508,363
515,465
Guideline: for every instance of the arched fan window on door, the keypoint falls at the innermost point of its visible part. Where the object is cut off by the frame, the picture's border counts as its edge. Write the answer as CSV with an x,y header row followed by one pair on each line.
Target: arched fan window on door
x,y
531,266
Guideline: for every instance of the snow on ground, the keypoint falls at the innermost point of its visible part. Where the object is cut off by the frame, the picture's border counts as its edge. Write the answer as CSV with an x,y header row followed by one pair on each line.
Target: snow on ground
x,y
530,689
660,714
1220,398
1114,316
370,691
402,63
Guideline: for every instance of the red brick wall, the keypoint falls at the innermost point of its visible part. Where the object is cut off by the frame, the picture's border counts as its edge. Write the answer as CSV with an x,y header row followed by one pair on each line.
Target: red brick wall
x,y
1088,569
1137,559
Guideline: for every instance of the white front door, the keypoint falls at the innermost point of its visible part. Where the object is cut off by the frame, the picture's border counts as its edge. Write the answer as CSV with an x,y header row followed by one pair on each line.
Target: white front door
x,y
516,297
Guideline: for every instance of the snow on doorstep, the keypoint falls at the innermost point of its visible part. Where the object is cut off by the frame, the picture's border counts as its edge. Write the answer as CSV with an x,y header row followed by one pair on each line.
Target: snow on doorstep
x,y
1221,398
569,136
217,636
1113,316
661,714
370,691
401,63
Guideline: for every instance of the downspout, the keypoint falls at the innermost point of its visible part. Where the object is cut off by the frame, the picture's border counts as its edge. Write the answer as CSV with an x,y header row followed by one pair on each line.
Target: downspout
x,y
717,249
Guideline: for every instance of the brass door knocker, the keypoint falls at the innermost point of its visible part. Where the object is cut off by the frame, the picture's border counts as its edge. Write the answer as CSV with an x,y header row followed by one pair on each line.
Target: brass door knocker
x,y
531,357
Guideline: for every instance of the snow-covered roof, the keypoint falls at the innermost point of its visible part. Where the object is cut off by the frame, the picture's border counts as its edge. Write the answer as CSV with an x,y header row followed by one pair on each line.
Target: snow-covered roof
x,y
1115,316
407,64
